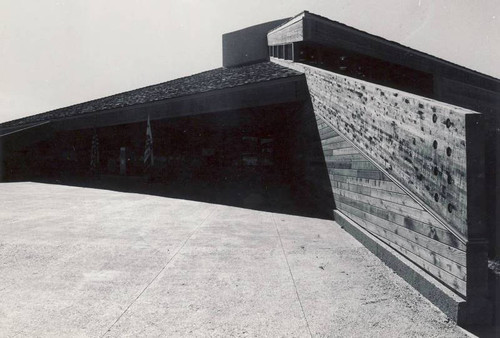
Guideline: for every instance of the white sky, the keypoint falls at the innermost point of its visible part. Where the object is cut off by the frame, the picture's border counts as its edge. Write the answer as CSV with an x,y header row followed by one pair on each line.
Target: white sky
x,y
57,53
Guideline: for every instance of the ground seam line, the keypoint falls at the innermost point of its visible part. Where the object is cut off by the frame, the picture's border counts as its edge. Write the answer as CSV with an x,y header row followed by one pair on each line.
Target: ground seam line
x,y
159,273
291,275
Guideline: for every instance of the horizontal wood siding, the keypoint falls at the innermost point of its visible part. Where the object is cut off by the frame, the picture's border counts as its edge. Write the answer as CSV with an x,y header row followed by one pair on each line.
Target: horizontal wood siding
x,y
291,33
419,142
367,196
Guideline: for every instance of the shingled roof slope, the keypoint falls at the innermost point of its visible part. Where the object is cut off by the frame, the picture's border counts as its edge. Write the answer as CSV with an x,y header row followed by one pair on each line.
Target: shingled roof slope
x,y
219,78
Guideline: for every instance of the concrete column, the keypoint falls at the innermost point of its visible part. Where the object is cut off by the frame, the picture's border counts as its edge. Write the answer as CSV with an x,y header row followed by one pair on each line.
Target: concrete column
x,y
295,52
479,306
123,161
2,166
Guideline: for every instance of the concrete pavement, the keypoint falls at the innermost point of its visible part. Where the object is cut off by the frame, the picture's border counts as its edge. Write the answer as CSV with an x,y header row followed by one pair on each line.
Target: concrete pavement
x,y
92,263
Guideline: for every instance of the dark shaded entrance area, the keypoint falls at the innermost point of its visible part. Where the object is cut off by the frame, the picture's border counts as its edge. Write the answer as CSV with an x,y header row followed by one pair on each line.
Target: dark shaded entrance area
x,y
253,158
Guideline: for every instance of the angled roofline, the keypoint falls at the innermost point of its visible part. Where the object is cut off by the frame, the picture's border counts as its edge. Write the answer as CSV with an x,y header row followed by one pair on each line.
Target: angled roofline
x,y
235,77
306,13
258,24
289,22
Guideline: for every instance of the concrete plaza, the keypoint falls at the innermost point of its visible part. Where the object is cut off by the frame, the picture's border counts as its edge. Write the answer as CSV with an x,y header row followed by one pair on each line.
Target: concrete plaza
x,y
91,263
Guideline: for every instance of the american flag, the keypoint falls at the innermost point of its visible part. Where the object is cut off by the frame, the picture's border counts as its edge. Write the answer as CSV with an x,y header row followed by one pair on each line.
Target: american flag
x,y
148,151
94,154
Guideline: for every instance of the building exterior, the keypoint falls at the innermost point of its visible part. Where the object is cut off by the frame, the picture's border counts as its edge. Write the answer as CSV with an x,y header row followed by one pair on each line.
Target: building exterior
x,y
398,146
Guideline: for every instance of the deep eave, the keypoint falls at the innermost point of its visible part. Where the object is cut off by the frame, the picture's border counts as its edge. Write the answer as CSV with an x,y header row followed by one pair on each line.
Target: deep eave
x,y
408,50
212,80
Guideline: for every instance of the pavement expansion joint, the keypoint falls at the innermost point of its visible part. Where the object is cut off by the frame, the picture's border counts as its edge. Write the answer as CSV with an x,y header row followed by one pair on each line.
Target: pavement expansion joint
x,y
161,270
291,276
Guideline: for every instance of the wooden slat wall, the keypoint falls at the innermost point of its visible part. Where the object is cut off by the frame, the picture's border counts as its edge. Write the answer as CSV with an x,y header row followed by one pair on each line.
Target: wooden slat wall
x,y
291,32
452,84
419,141
375,145
399,132
371,199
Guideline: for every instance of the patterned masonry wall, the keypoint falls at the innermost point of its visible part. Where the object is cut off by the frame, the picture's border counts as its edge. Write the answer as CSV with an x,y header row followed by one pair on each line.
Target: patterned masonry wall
x,y
408,184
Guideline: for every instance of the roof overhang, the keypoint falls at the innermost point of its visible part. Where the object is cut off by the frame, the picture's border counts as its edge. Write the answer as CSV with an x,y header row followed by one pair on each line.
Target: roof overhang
x,y
311,28
285,90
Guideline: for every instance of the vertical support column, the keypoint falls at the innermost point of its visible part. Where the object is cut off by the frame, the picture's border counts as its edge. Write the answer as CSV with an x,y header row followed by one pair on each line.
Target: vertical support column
x,y
123,161
495,213
479,307
295,51
2,160
3,155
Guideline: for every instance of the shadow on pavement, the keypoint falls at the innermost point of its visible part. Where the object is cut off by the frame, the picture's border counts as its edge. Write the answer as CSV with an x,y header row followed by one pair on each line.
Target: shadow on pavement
x,y
256,194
